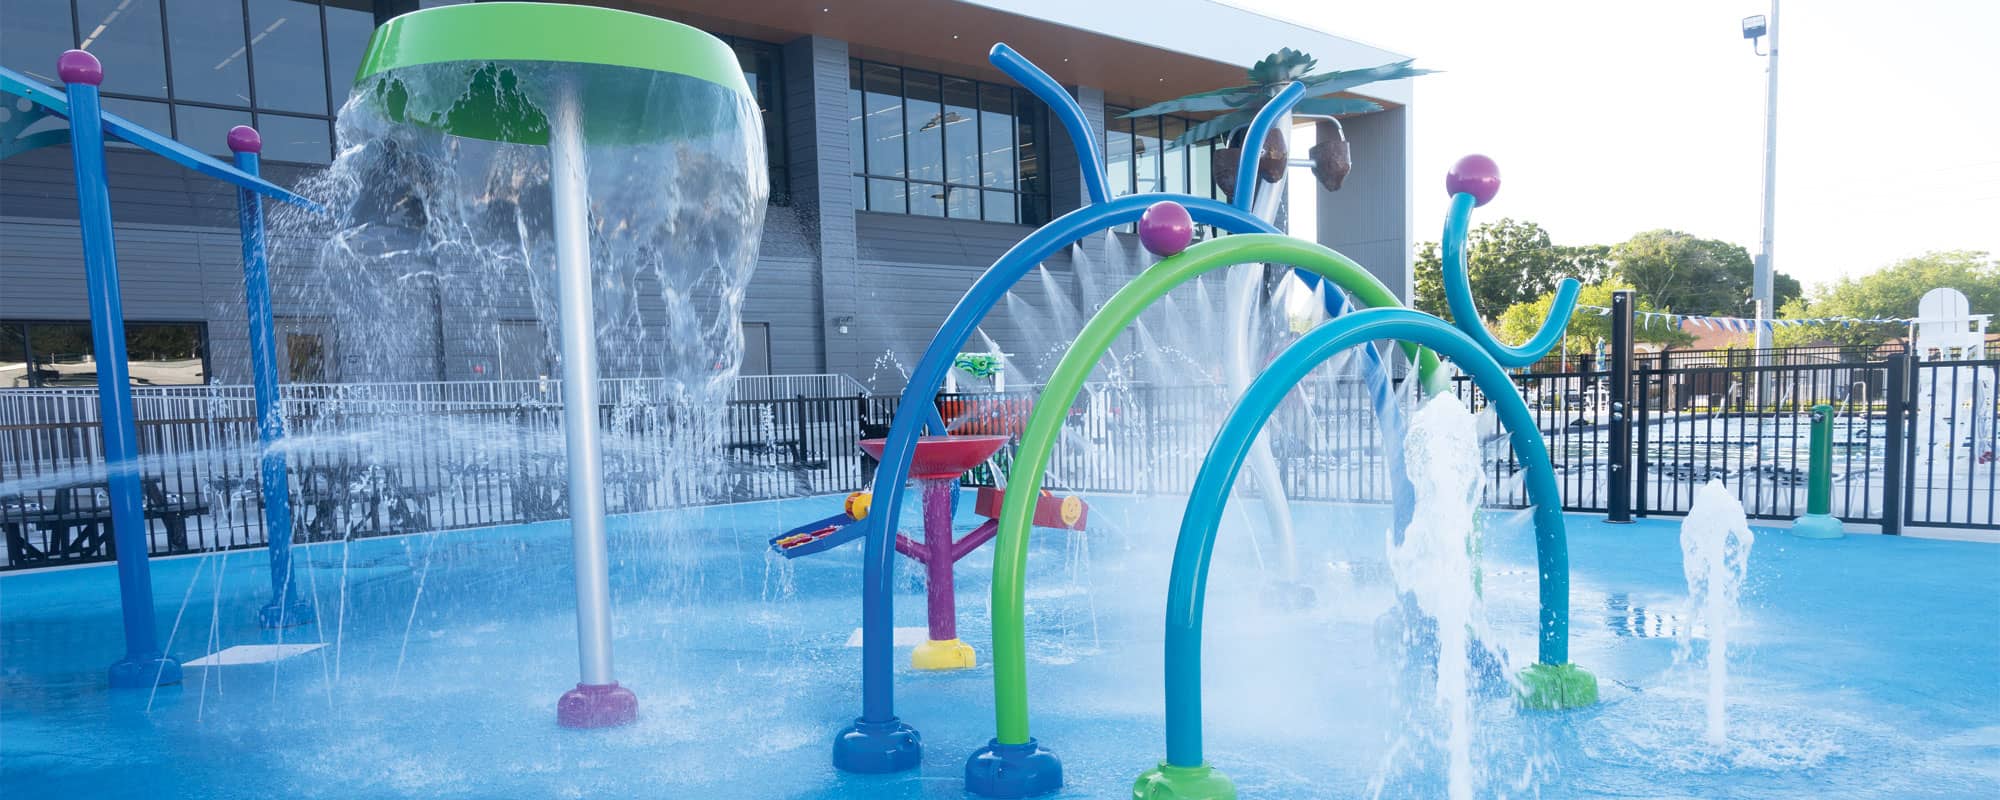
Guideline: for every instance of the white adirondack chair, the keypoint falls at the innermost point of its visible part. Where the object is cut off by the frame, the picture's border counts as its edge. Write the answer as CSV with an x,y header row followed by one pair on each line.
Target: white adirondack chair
x,y
1946,329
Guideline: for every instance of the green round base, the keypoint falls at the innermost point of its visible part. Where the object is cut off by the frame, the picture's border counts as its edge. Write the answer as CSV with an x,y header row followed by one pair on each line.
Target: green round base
x,y
1818,526
1168,782
1548,687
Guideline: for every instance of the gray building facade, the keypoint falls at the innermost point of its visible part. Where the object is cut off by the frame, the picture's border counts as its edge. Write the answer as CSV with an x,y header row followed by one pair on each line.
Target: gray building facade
x,y
864,250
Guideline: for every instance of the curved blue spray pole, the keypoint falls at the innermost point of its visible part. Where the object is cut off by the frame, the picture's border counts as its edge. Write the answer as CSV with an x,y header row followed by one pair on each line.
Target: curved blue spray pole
x,y
1465,312
1065,109
1187,585
1253,140
877,741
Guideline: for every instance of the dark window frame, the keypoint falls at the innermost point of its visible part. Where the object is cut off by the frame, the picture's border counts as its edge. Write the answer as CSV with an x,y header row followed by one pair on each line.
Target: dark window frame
x,y
1030,204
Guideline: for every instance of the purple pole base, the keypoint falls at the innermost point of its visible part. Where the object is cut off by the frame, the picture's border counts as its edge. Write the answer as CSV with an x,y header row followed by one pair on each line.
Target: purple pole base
x,y
592,706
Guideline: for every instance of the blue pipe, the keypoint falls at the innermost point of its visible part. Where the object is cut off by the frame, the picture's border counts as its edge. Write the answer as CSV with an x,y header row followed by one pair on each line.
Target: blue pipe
x,y
285,609
1465,312
1187,586
1253,140
143,665
1066,111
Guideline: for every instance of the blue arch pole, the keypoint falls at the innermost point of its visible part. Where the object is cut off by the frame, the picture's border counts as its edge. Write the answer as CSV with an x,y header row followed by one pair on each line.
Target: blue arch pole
x,y
877,741
143,665
1188,582
285,608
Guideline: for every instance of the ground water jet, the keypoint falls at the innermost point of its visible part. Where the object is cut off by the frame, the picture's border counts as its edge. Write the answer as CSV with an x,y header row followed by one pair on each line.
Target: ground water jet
x,y
1715,554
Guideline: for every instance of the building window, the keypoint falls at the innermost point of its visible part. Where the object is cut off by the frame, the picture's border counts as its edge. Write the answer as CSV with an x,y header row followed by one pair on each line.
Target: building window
x,y
764,66
191,69
37,354
942,146
1141,156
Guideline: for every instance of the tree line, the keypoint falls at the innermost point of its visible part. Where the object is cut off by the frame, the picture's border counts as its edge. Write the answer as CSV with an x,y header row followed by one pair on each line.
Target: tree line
x,y
1514,269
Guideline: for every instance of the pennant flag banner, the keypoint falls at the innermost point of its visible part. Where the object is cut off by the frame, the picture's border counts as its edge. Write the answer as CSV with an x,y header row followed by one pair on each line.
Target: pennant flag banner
x,y
1745,323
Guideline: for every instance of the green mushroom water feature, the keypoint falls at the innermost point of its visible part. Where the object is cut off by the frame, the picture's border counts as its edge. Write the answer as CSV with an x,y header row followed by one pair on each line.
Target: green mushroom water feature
x,y
599,172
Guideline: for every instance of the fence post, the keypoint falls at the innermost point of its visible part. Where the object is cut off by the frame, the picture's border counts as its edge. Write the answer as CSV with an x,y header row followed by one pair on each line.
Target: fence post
x,y
1619,501
1895,438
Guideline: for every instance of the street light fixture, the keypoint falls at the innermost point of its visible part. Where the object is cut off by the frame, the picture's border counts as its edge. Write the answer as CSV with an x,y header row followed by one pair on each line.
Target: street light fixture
x,y
1754,29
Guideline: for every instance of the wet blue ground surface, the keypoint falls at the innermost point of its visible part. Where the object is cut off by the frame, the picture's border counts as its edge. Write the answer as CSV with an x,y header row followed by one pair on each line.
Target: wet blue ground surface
x,y
1865,667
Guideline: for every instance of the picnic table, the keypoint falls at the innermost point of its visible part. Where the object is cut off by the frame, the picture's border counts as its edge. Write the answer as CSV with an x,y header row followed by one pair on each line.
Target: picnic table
x,y
76,524
341,501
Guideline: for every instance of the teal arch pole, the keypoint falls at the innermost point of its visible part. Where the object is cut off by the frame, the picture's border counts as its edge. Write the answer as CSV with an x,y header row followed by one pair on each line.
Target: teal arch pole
x,y
1187,585
285,608
144,665
1465,312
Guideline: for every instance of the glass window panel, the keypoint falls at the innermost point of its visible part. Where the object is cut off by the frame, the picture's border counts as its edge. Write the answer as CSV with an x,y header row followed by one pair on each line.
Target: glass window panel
x,y
962,202
208,52
1118,150
207,129
300,139
762,69
887,195
1201,178
347,32
146,113
927,199
36,34
290,60
164,354
996,131
1030,137
59,354
923,117
125,36
1000,207
961,133
860,192
1146,154
884,103
1175,156
13,355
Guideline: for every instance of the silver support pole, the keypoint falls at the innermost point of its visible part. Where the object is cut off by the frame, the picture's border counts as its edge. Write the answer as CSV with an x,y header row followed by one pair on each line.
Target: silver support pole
x,y
1763,288
569,183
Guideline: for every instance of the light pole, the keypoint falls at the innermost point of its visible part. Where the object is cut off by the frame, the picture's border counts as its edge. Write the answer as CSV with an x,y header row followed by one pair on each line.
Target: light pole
x,y
1754,28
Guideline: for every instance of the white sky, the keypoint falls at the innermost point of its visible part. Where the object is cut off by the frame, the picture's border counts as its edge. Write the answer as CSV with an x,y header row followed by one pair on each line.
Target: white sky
x,y
1609,118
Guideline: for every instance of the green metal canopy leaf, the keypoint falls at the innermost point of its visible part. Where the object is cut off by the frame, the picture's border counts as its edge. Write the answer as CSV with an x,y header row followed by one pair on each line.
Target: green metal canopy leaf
x,y
1331,82
1282,67
1220,126
1336,106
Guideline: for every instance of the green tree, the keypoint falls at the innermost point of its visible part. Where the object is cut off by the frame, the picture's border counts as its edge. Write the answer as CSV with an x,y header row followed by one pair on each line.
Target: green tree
x,y
1892,292
1520,322
1509,262
1685,274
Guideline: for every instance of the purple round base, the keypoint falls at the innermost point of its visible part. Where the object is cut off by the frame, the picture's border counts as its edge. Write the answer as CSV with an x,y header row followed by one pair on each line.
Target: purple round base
x,y
591,706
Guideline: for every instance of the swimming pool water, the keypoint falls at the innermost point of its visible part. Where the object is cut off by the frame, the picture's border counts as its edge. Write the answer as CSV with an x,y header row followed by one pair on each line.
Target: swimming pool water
x,y
1863,667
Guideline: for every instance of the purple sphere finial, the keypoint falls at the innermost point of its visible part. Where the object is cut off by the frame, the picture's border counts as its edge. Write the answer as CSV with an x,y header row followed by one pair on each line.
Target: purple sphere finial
x,y
1475,175
79,66
244,139
1166,228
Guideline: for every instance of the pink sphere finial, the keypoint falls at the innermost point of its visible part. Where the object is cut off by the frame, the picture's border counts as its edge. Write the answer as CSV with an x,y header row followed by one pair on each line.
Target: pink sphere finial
x,y
244,139
79,66
1475,175
1166,228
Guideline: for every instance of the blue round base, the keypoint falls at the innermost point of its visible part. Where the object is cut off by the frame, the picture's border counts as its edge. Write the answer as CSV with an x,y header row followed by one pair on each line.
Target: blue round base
x,y
145,672
1818,526
1012,770
275,615
877,747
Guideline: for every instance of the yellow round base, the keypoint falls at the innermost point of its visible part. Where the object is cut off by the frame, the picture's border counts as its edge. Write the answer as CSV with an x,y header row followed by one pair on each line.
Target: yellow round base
x,y
943,655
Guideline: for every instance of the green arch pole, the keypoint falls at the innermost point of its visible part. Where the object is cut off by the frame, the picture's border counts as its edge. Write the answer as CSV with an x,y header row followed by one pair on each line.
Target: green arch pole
x,y
1024,480
1187,588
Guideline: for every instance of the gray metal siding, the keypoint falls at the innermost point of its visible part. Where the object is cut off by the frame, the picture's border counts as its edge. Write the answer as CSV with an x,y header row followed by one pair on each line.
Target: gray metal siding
x,y
1368,220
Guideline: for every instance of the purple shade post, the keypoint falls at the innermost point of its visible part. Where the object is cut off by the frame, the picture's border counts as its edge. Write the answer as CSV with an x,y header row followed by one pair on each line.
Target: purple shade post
x,y
1166,228
79,66
1475,175
245,139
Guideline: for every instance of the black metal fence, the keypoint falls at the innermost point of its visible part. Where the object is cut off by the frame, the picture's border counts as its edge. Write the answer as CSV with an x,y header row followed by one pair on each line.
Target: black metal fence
x,y
1914,444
